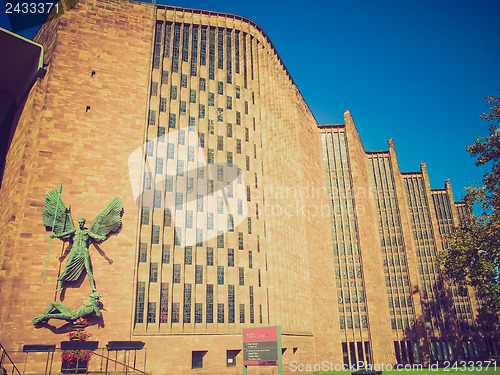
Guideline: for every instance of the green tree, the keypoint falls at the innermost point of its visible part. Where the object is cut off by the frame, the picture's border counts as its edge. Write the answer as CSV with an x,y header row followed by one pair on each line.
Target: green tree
x,y
473,255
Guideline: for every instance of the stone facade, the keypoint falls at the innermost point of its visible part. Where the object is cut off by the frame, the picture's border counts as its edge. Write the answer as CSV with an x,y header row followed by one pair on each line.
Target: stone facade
x,y
193,120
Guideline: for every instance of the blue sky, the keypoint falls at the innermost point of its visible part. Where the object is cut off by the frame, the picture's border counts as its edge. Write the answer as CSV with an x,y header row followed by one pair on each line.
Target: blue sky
x,y
416,71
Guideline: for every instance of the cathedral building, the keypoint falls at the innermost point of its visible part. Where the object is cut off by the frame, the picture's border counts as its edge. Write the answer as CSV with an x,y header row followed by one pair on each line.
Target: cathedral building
x,y
239,209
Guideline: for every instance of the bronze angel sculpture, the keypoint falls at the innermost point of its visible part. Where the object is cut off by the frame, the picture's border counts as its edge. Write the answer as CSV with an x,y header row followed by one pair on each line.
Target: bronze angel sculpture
x,y
58,217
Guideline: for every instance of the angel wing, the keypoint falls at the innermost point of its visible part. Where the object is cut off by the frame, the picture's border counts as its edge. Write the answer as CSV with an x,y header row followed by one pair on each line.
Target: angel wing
x,y
55,208
109,220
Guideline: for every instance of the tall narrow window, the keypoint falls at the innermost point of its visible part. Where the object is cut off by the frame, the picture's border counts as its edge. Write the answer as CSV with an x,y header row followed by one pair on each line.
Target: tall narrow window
x,y
185,43
220,49
152,312
175,48
164,303
139,303
211,54
228,56
230,303
194,50
187,304
210,303
203,46
166,45
220,275
157,46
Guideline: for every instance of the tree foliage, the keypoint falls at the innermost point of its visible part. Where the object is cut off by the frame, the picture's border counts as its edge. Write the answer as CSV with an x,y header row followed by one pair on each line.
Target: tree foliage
x,y
473,255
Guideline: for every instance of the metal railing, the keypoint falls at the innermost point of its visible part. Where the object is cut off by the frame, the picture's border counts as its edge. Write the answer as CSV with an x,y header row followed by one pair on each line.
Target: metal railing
x,y
4,356
35,364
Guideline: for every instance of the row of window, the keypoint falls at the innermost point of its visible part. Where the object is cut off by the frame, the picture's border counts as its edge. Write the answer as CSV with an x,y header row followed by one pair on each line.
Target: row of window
x,y
200,38
198,307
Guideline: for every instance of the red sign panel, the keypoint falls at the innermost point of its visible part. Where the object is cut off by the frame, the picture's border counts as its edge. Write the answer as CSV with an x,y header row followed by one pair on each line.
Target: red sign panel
x,y
260,346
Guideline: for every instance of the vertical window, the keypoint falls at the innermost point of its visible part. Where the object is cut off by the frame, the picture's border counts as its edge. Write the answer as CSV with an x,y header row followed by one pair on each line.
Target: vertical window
x,y
177,236
199,274
228,57
199,237
182,107
259,277
165,254
211,53
220,114
230,257
152,312
210,256
248,162
157,46
203,46
180,167
230,303
203,84
145,216
210,187
164,303
198,313
201,141
154,88
178,201
242,312
211,126
210,221
157,199
251,304
173,92
150,148
229,130
187,304
249,225
192,96
220,313
211,99
175,48
220,205
210,156
159,165
199,203
210,303
155,234
170,150
229,102
220,143
238,146
185,42
229,159
241,273
250,259
164,77
194,50
177,274
237,51
220,239
247,135
188,255
190,153
139,303
240,240
201,110
238,92
152,117
220,173
220,88
175,312
143,252
153,273
238,118
230,223
220,275
172,121
220,49
161,134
